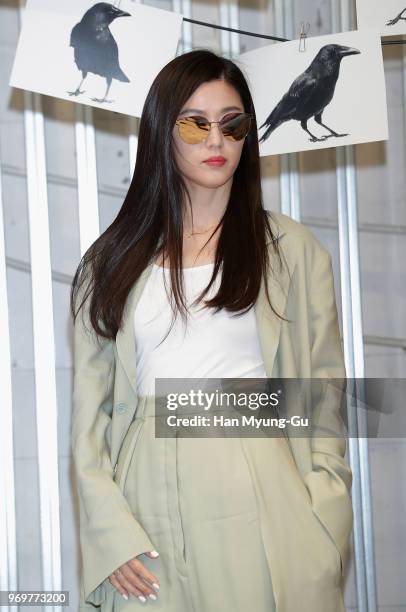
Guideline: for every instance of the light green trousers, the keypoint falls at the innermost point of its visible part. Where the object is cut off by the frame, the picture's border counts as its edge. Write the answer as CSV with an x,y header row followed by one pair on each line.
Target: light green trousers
x,y
195,499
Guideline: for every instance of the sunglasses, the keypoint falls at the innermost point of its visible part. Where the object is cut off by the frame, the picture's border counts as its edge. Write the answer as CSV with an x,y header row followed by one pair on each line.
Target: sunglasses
x,y
193,130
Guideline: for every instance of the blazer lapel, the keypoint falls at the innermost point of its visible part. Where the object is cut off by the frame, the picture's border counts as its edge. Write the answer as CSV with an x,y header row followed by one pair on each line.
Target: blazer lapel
x,y
125,339
268,324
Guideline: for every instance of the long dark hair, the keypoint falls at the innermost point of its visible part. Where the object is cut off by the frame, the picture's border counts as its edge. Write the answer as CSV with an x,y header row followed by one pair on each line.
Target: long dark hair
x,y
150,220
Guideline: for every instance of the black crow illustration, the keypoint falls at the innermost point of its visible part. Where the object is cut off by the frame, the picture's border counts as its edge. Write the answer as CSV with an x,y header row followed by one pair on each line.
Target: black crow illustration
x,y
94,46
396,19
310,93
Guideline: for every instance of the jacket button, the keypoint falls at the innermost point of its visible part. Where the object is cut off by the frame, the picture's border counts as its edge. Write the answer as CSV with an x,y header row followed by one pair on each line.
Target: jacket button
x,y
121,407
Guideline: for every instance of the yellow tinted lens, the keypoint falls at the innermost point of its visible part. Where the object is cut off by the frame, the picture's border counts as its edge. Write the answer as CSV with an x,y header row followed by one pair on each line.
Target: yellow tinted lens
x,y
191,131
236,128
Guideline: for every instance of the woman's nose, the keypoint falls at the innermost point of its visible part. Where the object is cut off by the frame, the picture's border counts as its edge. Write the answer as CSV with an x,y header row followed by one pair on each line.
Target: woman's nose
x,y
215,134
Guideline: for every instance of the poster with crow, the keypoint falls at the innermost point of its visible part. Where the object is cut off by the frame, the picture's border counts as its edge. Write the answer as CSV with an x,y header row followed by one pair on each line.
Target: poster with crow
x,y
97,53
388,16
332,94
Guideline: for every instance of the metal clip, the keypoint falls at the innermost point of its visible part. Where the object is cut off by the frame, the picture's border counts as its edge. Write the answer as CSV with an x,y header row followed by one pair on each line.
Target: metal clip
x,y
304,29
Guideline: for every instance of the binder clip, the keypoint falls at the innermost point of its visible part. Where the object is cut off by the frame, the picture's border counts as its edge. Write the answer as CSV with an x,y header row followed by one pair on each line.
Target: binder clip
x,y
304,29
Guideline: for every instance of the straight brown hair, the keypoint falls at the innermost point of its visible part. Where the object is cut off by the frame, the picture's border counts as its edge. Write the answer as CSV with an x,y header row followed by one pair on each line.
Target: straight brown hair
x,y
150,220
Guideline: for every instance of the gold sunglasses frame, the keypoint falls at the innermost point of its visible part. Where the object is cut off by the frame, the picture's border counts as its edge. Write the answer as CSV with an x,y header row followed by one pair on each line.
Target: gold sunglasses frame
x,y
210,123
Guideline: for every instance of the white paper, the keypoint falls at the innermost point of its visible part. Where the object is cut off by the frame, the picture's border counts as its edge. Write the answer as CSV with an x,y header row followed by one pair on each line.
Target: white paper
x,y
358,106
388,16
147,40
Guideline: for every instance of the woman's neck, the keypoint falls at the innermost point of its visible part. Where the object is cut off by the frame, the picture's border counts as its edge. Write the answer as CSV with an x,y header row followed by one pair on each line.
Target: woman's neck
x,y
207,207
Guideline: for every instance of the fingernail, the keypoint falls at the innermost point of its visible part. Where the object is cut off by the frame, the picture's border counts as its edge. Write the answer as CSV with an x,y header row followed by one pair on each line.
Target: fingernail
x,y
142,598
154,553
154,584
124,595
152,596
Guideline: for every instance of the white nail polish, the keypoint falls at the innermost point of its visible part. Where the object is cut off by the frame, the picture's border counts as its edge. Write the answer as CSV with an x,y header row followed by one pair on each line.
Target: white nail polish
x,y
152,596
154,553
124,595
155,585
142,598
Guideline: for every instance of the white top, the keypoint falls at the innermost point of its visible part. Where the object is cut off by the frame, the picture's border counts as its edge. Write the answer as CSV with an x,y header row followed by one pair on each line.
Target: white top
x,y
215,345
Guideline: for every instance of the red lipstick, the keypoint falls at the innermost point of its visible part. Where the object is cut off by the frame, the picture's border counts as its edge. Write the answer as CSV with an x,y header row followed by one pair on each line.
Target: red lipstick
x,y
217,160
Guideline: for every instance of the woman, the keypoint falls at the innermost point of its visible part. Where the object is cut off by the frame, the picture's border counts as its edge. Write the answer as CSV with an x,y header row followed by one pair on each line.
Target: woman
x,y
243,523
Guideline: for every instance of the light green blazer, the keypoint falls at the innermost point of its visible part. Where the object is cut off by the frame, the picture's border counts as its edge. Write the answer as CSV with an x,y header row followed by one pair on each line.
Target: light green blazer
x,y
303,493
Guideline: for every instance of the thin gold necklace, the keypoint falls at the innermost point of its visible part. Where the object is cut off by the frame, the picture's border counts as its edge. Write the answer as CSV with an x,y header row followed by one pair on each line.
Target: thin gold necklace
x,y
199,233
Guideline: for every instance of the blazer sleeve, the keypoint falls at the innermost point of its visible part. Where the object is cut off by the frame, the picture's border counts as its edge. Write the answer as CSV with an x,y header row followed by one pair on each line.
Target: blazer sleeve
x,y
109,533
330,480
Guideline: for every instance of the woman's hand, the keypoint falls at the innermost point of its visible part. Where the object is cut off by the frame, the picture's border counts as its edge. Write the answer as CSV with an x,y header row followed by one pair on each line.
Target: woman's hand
x,y
133,577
